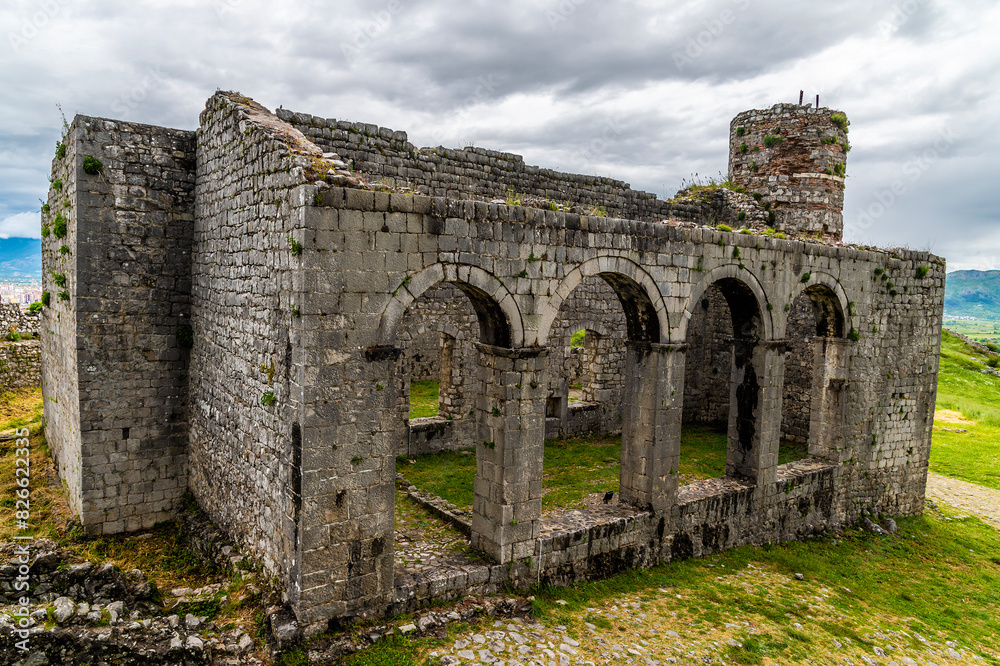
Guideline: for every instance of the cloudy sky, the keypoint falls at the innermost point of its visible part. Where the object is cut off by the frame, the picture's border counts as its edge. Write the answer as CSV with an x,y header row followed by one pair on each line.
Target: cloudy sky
x,y
638,89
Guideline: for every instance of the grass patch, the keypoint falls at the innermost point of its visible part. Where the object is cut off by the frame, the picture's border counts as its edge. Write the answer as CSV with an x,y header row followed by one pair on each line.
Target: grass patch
x,y
972,456
423,399
935,578
19,408
575,467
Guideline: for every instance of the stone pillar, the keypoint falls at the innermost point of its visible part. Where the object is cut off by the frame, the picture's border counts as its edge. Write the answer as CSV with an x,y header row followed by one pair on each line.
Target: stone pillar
x,y
510,420
651,424
826,417
755,410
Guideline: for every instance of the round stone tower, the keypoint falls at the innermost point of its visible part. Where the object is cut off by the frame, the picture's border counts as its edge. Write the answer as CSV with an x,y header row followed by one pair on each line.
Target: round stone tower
x,y
794,157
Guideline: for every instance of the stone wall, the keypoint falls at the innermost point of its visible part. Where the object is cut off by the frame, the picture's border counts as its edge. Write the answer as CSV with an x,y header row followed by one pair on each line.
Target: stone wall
x,y
709,360
682,264
14,318
244,451
116,271
20,365
799,370
302,299
795,156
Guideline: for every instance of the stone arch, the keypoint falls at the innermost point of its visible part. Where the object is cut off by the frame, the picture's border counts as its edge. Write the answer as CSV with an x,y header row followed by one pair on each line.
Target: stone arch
x,y
645,313
742,290
830,305
594,326
500,322
445,327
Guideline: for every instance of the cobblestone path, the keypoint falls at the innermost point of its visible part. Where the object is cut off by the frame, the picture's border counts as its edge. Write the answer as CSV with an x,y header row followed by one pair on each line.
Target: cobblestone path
x,y
979,500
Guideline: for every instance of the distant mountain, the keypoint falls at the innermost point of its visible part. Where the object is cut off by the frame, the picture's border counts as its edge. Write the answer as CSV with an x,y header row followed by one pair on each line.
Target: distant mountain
x,y
972,294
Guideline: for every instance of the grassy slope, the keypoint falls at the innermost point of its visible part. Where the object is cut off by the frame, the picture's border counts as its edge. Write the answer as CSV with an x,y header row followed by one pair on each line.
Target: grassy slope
x,y
973,456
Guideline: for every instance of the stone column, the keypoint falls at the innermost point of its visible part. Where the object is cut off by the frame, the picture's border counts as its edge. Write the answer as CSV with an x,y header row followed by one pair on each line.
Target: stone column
x,y
651,424
826,417
510,421
755,410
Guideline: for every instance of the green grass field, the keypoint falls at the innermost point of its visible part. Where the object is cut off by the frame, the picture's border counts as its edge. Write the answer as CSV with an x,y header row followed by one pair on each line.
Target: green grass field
x,y
974,455
423,399
575,467
981,330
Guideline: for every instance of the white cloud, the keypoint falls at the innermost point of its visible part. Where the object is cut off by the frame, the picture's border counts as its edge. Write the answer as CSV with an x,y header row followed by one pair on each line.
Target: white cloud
x,y
21,225
579,86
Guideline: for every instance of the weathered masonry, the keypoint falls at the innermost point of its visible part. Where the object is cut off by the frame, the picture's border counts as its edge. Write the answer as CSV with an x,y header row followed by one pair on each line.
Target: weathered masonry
x,y
228,312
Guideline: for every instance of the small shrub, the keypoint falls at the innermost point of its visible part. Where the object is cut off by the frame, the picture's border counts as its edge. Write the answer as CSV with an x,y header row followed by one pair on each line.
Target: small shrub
x,y
295,311
780,234
840,120
993,361
744,149
742,215
724,227
853,335
268,399
185,336
60,150
46,230
13,335
740,131
922,272
63,295
512,199
92,166
64,250
754,167
805,277
746,232
35,307
59,226
46,299
294,246
840,170
771,140
845,146
45,208
736,253
771,217
57,184
58,278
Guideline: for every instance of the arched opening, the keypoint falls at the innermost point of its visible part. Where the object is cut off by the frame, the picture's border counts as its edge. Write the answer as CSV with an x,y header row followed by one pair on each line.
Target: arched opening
x,y
436,373
815,375
723,378
586,344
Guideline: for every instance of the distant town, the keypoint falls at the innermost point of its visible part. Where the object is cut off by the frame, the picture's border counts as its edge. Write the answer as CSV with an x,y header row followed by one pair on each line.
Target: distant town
x,y
24,292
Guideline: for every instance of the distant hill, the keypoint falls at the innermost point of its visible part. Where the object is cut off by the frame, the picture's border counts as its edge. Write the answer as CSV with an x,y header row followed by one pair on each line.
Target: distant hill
x,y
20,258
972,294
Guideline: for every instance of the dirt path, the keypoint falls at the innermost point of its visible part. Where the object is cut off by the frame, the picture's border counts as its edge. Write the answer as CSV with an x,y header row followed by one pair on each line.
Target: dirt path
x,y
979,500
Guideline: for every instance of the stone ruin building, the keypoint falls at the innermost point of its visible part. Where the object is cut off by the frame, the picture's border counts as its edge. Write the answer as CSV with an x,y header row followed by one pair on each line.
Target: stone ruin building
x,y
238,311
